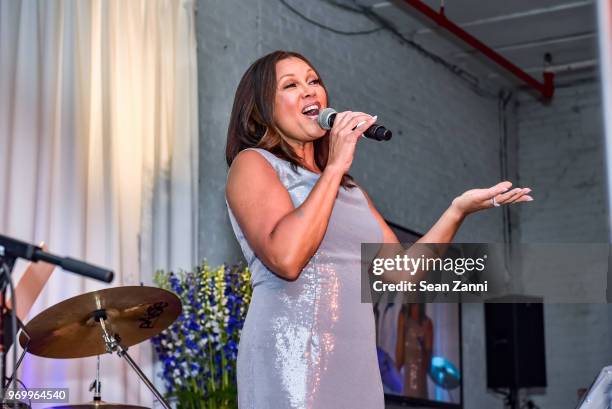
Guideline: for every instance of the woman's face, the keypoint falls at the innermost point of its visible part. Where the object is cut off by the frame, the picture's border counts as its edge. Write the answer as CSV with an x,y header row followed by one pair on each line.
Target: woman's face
x,y
299,98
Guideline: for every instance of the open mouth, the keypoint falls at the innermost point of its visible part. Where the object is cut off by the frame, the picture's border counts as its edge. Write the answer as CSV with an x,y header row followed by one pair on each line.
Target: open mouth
x,y
311,111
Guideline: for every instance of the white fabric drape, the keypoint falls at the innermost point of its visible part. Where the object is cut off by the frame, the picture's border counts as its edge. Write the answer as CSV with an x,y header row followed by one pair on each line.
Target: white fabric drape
x,y
98,154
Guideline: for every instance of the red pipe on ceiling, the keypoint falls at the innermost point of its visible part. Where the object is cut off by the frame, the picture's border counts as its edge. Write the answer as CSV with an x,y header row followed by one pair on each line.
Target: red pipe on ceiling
x,y
546,88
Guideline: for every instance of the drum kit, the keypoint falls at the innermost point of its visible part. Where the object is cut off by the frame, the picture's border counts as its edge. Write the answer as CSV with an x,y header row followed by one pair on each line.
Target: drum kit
x,y
98,322
94,323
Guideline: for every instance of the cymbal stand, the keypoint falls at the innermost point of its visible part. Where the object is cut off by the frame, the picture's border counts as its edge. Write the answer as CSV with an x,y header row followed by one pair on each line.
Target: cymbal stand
x,y
96,386
112,345
7,262
23,354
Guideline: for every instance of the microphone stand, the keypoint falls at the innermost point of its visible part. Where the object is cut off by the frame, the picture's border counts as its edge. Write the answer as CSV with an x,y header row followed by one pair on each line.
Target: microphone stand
x,y
18,249
7,262
10,250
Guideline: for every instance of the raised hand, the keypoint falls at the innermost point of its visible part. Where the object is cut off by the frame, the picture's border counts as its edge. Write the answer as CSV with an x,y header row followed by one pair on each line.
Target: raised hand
x,y
501,194
347,129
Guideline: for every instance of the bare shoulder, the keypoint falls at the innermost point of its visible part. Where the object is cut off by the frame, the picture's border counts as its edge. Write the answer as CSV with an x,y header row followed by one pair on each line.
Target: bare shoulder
x,y
248,167
247,161
253,188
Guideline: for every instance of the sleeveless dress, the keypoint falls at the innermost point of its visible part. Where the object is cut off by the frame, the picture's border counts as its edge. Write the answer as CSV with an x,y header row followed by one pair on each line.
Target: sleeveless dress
x,y
310,343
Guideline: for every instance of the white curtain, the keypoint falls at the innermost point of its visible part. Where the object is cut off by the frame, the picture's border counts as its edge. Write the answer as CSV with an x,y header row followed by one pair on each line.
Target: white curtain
x,y
98,154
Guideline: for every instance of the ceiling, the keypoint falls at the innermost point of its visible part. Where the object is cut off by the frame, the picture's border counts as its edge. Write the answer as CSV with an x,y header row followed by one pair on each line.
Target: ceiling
x,y
522,31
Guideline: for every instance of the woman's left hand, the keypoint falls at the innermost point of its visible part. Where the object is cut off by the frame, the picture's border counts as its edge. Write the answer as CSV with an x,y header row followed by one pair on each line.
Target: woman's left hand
x,y
478,199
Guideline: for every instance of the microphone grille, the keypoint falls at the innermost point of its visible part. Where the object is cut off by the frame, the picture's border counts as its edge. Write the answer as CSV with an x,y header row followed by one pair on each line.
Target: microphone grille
x,y
323,117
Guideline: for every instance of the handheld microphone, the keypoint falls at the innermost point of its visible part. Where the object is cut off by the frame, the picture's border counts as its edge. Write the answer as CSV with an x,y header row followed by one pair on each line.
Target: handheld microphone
x,y
377,132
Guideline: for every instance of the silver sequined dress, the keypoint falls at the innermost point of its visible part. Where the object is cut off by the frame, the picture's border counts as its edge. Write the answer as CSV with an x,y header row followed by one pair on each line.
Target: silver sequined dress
x,y
310,343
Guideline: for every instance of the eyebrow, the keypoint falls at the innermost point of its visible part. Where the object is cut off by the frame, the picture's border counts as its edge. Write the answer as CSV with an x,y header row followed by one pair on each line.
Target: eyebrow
x,y
292,74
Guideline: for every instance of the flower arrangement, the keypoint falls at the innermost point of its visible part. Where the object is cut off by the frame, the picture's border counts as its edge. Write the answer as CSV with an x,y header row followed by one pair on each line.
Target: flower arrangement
x,y
198,352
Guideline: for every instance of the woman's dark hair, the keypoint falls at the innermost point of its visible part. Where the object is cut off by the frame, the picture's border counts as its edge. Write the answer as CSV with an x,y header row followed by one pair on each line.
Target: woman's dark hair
x,y
251,121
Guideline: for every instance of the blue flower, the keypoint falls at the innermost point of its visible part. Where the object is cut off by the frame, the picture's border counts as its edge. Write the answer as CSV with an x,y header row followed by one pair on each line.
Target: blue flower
x,y
200,349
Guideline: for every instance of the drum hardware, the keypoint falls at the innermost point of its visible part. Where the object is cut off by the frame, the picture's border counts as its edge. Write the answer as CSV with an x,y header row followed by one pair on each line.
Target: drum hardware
x,y
104,321
12,249
97,402
8,340
113,346
26,345
70,329
96,386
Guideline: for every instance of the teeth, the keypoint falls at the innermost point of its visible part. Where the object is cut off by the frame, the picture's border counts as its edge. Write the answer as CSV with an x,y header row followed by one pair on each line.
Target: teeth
x,y
309,107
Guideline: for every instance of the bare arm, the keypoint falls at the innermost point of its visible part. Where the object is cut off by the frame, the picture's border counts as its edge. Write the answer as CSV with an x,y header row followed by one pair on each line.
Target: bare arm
x,y
445,228
282,236
30,286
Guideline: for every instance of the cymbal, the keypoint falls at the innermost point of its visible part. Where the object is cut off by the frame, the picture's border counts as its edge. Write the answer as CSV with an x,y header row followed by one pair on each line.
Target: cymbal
x,y
98,404
69,330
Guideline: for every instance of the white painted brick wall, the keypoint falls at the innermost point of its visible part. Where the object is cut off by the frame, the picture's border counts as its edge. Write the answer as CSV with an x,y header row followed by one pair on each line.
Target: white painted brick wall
x,y
561,157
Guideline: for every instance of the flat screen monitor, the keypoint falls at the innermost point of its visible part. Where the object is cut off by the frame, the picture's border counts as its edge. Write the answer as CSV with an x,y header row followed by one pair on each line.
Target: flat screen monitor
x,y
419,347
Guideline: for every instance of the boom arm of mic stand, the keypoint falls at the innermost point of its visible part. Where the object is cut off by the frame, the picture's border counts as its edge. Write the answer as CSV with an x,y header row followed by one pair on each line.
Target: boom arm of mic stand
x,y
16,248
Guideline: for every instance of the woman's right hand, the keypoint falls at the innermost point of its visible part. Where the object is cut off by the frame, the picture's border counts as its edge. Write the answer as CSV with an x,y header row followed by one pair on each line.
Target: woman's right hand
x,y
348,127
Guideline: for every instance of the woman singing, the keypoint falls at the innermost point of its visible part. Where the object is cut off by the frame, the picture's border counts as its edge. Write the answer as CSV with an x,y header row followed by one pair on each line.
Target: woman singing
x,y
308,341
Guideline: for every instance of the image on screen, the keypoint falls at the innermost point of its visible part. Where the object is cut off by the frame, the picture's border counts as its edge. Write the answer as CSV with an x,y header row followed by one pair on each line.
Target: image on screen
x,y
419,346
